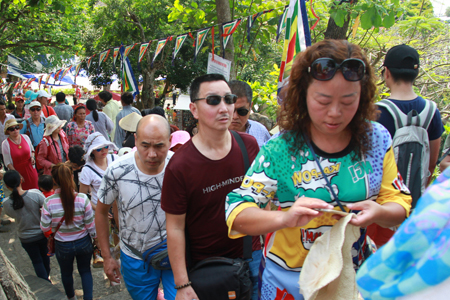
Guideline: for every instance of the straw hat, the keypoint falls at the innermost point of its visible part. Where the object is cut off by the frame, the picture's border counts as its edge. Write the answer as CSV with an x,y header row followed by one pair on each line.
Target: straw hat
x,y
10,123
179,137
52,123
96,141
129,122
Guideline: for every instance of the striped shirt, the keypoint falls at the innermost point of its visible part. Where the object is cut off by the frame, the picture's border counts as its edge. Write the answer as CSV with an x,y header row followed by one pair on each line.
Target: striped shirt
x,y
83,219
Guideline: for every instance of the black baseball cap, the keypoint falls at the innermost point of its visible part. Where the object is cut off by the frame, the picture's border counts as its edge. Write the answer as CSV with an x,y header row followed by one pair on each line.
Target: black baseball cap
x,y
402,57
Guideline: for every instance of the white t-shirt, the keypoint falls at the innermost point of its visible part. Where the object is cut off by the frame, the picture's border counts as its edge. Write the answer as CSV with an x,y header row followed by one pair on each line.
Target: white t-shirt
x,y
142,221
89,177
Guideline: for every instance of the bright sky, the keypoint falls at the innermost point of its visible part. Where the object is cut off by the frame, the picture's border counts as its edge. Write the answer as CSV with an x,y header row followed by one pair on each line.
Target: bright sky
x,y
440,6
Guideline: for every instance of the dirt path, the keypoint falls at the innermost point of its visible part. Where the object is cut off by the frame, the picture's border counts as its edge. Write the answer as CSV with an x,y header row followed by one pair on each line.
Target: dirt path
x,y
10,244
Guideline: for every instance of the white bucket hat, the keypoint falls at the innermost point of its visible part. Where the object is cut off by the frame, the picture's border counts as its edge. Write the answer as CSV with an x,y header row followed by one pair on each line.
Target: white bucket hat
x,y
96,141
129,122
43,93
124,151
52,123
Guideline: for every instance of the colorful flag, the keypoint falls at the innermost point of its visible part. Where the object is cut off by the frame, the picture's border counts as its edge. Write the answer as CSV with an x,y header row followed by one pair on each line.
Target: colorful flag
x,y
7,87
48,78
251,21
129,83
281,23
77,69
17,84
115,54
88,63
64,73
178,43
23,83
40,80
29,81
58,73
228,29
201,36
143,50
127,50
297,38
103,57
159,47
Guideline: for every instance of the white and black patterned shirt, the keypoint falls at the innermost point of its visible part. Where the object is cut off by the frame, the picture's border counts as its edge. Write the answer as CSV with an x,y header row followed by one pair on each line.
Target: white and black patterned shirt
x,y
142,221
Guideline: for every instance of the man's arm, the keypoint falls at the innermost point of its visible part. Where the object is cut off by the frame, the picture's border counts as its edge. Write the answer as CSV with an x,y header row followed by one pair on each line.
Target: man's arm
x,y
434,155
176,245
110,266
445,163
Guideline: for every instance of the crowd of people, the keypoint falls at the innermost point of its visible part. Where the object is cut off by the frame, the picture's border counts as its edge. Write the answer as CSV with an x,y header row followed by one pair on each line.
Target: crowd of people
x,y
174,203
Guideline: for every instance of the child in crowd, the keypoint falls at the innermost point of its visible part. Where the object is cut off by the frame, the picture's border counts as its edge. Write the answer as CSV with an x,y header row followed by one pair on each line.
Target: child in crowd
x,y
45,184
10,108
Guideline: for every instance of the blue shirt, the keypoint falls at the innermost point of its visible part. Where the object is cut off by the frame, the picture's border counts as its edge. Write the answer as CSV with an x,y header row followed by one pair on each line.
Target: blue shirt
x,y
64,112
435,129
119,135
36,132
258,131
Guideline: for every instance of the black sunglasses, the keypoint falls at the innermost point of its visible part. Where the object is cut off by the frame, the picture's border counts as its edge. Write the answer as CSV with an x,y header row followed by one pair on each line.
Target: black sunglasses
x,y
17,127
242,111
35,109
324,68
215,99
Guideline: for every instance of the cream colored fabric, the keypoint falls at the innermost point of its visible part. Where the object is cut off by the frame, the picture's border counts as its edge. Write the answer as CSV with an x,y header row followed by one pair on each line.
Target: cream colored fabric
x,y
328,272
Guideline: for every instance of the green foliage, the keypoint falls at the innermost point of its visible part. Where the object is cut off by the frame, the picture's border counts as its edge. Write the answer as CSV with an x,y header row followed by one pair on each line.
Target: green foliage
x,y
265,95
447,11
67,91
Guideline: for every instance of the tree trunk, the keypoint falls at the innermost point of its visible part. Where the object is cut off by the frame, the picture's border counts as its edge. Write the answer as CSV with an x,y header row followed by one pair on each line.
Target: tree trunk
x,y
224,15
336,32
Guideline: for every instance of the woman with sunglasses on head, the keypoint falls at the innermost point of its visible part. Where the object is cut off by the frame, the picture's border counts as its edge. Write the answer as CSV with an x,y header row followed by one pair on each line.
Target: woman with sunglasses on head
x,y
18,154
54,147
79,129
24,206
327,116
73,239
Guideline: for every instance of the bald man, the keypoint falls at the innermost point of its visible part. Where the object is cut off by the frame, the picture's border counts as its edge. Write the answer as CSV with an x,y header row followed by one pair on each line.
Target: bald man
x,y
135,181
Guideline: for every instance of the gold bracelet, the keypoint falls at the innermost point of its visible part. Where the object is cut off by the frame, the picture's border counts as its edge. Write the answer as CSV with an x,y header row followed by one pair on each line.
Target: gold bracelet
x,y
179,287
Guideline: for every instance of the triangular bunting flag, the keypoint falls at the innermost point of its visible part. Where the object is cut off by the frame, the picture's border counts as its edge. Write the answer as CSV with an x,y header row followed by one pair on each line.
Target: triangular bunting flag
x,y
129,83
297,38
88,62
127,50
17,84
29,81
281,23
227,30
115,54
159,47
252,19
103,57
40,80
178,43
58,73
143,50
201,36
48,78
77,69
64,73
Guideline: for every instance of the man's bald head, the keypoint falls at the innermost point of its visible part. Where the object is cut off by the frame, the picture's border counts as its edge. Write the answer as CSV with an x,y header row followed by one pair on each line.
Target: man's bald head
x,y
153,120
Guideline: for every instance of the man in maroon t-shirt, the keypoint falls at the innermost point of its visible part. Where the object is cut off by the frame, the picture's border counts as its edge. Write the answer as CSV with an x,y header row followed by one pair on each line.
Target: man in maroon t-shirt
x,y
198,178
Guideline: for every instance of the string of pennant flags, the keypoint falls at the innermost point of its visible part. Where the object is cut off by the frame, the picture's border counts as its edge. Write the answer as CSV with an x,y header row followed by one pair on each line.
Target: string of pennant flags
x,y
226,30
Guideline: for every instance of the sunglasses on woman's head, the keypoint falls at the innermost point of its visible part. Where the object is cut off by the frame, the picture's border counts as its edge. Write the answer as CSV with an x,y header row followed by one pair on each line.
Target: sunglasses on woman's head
x,y
242,111
100,149
215,99
17,127
325,68
35,109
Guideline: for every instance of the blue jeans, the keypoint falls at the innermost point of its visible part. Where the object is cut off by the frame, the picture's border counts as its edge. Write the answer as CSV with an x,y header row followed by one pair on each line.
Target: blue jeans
x,y
65,254
37,251
254,271
142,281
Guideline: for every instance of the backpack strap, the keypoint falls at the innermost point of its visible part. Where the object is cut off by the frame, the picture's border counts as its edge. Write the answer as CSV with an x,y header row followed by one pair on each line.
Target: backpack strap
x,y
112,157
400,119
87,166
427,114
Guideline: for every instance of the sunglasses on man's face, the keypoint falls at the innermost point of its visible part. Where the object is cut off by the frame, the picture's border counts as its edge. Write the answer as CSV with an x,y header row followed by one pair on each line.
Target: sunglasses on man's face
x,y
215,99
35,109
242,111
17,127
100,149
325,68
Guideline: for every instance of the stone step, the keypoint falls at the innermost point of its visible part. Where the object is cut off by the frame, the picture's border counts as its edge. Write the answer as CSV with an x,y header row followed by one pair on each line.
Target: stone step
x,y
43,289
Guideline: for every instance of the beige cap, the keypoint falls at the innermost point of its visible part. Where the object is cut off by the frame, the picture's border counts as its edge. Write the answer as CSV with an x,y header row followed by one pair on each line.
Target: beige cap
x,y
129,122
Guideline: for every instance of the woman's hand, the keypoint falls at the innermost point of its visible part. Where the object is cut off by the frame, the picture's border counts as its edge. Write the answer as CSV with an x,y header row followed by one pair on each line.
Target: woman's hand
x,y
33,160
302,212
370,212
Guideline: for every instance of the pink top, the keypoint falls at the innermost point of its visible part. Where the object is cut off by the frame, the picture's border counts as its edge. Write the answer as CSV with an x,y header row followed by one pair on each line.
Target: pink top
x,y
48,154
78,135
83,220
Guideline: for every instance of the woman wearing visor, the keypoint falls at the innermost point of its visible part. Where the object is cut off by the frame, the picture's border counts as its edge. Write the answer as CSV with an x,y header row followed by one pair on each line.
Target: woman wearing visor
x,y
327,116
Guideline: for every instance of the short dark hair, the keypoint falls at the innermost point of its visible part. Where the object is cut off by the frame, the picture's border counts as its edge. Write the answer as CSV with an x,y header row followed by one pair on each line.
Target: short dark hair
x,y
10,106
45,182
127,98
2,102
195,85
60,97
105,96
76,155
241,89
405,75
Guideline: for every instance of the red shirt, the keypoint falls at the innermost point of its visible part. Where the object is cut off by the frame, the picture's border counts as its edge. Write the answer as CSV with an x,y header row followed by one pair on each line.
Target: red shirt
x,y
48,194
197,186
48,111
